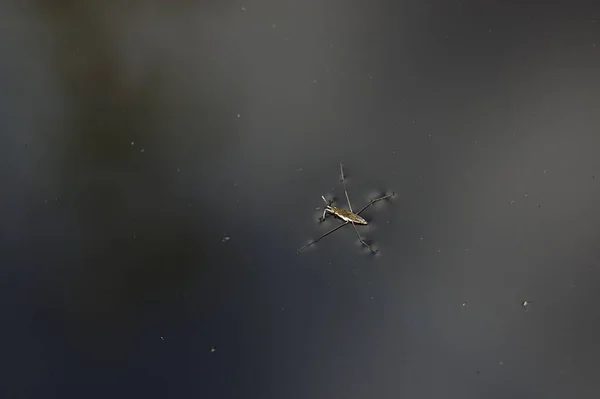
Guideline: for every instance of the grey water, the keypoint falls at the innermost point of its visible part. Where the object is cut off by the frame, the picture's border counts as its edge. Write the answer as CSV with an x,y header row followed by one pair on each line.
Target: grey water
x,y
162,162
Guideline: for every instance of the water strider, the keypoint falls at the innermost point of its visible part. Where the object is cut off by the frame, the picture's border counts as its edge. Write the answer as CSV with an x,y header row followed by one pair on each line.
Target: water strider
x,y
345,215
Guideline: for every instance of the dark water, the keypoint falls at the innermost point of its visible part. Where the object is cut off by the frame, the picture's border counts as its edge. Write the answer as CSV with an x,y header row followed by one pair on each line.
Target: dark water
x,y
161,164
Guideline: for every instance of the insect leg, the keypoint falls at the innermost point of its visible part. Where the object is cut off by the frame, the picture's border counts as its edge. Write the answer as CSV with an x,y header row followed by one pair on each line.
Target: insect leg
x,y
324,235
363,241
327,203
374,201
344,183
322,218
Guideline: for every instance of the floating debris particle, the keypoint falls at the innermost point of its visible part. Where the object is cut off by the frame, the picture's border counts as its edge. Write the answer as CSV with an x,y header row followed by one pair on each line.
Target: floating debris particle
x,y
132,143
239,115
464,304
162,338
142,150
213,349
226,238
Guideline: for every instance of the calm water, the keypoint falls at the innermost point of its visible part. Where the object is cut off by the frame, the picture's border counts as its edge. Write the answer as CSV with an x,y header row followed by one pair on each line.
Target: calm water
x,y
161,164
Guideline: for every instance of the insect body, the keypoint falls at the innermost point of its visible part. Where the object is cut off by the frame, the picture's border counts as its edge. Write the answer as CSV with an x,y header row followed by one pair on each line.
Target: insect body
x,y
345,215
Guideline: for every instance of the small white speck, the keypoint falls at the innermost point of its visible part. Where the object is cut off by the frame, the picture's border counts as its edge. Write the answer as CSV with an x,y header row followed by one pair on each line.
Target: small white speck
x,y
372,298
213,349
225,239
421,238
512,202
544,170
239,116
464,304
177,169
314,81
243,8
524,304
526,194
501,363
142,150
162,338
430,136
132,143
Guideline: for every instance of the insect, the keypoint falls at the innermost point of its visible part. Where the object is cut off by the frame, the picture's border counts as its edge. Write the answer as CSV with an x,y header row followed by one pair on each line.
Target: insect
x,y
345,215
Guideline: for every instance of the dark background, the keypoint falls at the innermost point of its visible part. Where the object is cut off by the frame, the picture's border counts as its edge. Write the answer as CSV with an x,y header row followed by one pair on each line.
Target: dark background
x,y
136,137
